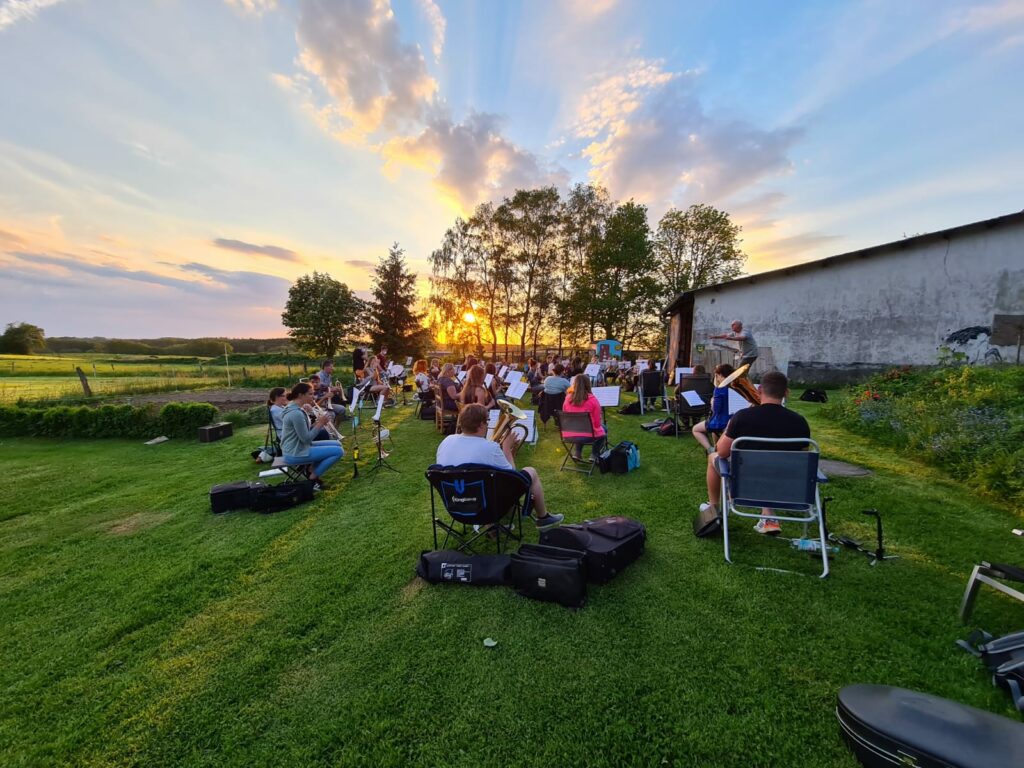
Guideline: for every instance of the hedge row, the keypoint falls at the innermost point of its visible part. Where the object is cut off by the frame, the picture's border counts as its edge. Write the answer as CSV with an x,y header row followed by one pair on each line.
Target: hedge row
x,y
173,420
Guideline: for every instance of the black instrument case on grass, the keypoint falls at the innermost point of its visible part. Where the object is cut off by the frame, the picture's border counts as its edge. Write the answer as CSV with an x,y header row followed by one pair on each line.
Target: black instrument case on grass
x,y
887,726
608,544
228,496
550,573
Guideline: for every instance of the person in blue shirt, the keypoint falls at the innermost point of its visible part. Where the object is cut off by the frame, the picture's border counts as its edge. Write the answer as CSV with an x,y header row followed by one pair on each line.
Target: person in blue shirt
x,y
719,410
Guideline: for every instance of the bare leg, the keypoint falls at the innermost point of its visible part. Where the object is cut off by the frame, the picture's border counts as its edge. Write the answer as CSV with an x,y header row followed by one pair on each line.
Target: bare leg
x,y
537,491
700,434
714,482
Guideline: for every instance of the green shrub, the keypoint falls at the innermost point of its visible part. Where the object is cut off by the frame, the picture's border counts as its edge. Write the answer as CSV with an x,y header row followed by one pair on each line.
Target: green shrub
x,y
123,421
255,415
967,420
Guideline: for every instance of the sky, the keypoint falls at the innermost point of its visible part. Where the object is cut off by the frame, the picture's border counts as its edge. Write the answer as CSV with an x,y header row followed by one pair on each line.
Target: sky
x,y
170,167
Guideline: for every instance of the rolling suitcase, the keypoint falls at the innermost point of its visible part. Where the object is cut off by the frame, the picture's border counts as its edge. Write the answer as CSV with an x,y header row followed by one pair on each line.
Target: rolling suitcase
x,y
886,726
608,544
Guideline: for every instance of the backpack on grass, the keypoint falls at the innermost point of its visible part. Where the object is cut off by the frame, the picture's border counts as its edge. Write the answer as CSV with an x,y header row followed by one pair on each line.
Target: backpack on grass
x,y
1004,659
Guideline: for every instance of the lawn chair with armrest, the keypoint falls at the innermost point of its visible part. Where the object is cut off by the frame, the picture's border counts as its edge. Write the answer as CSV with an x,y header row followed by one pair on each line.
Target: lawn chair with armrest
x,y
479,499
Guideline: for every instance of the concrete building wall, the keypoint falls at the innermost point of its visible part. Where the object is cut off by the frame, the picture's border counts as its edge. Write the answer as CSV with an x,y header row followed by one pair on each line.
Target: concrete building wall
x,y
839,321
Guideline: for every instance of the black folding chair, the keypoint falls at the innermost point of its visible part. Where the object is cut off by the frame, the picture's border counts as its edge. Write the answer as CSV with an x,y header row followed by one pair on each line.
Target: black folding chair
x,y
651,386
479,500
692,414
551,406
784,480
580,423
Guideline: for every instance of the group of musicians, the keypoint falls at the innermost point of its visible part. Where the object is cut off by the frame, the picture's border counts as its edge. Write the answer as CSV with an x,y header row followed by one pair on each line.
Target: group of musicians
x,y
304,416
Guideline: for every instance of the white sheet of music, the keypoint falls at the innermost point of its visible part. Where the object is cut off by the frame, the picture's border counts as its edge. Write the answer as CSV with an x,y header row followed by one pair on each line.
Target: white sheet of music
x,y
736,402
516,389
680,372
529,421
502,372
512,375
658,365
693,399
641,365
593,370
608,397
488,378
461,376
408,362
395,369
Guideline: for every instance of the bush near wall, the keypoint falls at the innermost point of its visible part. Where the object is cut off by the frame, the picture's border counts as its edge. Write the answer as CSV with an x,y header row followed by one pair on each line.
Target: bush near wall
x,y
968,420
173,420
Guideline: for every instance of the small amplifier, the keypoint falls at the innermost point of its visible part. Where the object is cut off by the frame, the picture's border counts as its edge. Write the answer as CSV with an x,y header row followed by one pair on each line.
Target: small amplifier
x,y
213,432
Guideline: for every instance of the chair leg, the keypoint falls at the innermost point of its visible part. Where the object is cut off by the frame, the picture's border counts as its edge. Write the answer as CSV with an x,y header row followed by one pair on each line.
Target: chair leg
x,y
967,604
723,510
824,542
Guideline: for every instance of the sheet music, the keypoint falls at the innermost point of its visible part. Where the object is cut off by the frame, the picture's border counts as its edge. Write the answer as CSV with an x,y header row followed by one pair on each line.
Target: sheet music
x,y
529,421
516,389
488,378
461,376
408,362
736,402
593,370
693,399
624,365
502,372
641,365
657,365
512,375
380,406
395,370
680,372
608,397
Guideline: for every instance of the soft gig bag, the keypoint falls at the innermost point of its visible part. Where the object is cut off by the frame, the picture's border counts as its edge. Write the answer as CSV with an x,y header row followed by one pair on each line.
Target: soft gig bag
x,y
274,498
228,496
886,726
550,573
448,565
608,544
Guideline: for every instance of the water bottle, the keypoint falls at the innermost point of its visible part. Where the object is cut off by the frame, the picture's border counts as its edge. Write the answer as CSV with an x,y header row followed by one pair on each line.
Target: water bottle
x,y
813,545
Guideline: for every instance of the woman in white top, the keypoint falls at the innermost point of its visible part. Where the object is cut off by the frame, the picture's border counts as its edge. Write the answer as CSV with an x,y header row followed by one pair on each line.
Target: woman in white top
x,y
421,377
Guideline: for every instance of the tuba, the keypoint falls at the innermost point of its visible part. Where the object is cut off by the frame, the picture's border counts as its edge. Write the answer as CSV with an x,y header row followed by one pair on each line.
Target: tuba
x,y
508,424
738,381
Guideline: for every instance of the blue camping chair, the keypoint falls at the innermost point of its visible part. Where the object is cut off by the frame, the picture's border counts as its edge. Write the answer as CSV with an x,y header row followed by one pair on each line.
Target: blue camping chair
x,y
784,480
479,499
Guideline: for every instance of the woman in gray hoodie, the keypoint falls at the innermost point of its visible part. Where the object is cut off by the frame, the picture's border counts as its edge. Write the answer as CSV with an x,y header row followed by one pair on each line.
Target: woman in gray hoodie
x,y
297,443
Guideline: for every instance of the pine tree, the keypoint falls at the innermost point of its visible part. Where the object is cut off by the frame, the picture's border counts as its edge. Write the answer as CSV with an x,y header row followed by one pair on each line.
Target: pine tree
x,y
394,321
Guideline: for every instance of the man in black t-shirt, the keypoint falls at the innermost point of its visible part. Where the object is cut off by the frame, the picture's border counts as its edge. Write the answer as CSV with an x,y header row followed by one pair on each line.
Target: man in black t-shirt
x,y
770,419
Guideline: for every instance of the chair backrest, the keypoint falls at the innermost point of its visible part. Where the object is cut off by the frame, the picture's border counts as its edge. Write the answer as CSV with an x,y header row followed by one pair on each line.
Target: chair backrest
x,y
575,422
701,384
760,477
651,382
275,439
476,494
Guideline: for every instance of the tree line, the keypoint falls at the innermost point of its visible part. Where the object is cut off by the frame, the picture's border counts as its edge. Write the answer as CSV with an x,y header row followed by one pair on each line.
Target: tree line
x,y
538,269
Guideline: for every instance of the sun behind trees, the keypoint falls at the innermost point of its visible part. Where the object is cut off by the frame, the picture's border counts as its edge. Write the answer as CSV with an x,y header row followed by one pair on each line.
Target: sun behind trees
x,y
537,270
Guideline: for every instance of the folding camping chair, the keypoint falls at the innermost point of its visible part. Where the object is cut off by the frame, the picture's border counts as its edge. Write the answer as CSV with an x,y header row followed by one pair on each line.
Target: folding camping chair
x,y
479,499
578,422
785,481
687,414
651,386
988,573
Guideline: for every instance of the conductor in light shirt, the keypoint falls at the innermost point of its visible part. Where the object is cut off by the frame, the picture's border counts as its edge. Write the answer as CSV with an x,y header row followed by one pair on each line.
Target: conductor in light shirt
x,y
473,447
747,346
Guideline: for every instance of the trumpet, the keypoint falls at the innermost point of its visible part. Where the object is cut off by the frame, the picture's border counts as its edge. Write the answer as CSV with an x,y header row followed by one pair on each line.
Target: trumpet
x,y
329,426
508,425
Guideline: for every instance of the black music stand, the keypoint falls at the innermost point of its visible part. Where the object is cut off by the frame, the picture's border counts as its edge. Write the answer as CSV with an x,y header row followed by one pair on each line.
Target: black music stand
x,y
378,437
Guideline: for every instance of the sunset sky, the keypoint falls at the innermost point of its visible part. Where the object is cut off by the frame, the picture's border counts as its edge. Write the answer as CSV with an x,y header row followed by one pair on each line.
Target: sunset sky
x,y
169,167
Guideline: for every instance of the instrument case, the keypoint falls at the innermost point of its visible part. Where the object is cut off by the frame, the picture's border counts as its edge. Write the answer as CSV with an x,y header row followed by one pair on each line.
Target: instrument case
x,y
449,565
886,726
228,496
552,574
608,544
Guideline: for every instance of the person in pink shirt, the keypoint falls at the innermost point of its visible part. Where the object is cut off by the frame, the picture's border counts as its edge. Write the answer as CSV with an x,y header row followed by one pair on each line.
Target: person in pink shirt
x,y
579,399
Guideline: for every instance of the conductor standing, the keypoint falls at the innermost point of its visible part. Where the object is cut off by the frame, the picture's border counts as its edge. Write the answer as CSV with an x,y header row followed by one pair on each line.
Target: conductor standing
x,y
747,345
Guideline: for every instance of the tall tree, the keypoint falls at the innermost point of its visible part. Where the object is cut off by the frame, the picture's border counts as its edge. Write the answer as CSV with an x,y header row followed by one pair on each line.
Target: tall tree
x,y
22,339
584,218
697,247
529,223
394,321
453,286
320,313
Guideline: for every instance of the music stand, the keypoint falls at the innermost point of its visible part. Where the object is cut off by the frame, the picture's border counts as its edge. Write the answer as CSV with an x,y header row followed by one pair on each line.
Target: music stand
x,y
379,433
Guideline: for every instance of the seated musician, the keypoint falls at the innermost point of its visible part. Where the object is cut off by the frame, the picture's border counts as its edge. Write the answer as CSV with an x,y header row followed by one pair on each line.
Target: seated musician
x,y
579,398
719,410
533,376
474,391
769,419
435,368
378,384
335,398
297,444
495,387
556,383
449,386
276,402
473,447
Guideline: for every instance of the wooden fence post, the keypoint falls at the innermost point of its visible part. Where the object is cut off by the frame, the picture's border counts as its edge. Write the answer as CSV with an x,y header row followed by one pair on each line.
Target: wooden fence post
x,y
84,380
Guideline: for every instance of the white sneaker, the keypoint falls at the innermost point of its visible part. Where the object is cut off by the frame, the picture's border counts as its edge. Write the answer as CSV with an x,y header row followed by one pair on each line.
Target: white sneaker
x,y
706,506
768,526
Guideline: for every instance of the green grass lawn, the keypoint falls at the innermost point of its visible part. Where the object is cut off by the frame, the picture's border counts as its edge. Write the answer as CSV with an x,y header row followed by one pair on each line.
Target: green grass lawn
x,y
139,629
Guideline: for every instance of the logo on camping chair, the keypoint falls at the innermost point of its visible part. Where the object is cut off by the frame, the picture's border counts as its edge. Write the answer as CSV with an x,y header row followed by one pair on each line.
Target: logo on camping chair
x,y
463,499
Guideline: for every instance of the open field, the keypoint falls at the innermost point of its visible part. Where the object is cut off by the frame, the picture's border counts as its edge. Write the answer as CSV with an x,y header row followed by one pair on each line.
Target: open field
x,y
142,630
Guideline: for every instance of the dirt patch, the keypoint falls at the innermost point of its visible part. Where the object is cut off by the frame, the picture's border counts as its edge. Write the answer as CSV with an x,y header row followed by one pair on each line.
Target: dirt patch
x,y
834,468
413,588
138,522
224,399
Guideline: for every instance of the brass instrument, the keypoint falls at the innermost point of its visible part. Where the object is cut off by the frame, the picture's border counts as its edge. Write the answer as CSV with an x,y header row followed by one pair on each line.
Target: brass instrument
x,y
329,426
737,380
508,424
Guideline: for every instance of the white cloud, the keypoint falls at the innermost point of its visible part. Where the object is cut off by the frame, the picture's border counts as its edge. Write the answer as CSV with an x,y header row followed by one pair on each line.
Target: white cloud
x,y
651,138
13,11
437,23
257,7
